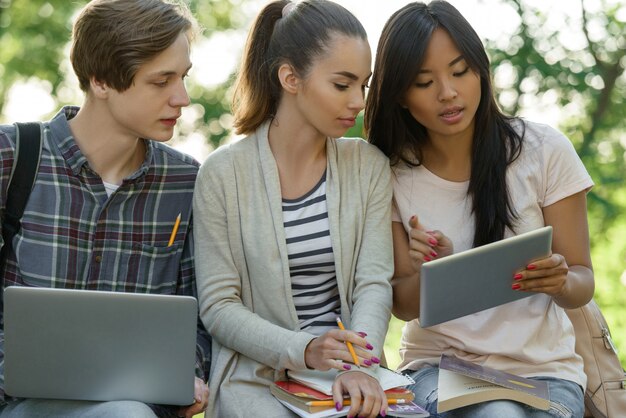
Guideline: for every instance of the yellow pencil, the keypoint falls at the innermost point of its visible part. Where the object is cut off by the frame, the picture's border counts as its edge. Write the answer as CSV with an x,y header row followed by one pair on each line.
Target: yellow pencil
x,y
174,230
346,402
349,344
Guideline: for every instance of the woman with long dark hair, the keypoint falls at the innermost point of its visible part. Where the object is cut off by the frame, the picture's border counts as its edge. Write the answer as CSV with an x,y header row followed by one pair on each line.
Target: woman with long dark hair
x,y
466,175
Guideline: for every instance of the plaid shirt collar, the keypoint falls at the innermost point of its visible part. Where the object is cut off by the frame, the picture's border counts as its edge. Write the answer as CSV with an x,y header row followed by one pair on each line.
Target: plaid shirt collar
x,y
61,135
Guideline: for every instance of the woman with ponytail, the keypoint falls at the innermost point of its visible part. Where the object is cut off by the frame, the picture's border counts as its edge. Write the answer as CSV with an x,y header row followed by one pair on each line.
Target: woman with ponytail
x,y
293,221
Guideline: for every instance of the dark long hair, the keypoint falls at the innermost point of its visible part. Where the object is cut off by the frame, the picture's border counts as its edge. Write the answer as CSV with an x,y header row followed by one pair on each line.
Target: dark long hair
x,y
295,35
495,145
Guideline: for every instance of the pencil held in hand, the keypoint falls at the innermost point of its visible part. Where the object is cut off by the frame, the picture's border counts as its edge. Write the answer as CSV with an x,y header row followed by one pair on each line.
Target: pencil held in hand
x,y
355,359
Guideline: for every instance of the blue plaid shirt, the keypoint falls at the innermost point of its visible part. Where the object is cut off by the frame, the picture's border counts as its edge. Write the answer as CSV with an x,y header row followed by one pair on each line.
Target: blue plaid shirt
x,y
75,236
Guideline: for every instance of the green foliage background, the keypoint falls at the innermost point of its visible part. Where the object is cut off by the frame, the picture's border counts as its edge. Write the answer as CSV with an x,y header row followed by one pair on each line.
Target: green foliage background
x,y
587,84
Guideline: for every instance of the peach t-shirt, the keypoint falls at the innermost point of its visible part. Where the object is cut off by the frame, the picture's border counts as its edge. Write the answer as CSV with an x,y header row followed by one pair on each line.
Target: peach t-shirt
x,y
529,337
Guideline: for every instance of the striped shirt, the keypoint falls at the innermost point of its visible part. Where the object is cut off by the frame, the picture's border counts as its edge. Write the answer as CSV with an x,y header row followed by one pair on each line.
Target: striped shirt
x,y
311,260
74,235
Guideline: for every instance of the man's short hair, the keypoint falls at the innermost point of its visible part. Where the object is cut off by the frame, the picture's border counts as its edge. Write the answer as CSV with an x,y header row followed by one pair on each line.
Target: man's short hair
x,y
113,38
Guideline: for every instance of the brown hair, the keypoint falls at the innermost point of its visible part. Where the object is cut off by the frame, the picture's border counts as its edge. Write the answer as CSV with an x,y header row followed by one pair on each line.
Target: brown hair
x,y
113,38
295,35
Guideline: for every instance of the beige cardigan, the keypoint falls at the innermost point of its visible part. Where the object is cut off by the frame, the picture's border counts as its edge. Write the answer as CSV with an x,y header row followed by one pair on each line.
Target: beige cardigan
x,y
244,287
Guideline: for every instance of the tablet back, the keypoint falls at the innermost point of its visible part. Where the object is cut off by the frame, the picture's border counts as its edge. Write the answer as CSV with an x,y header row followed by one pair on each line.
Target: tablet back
x,y
479,278
100,346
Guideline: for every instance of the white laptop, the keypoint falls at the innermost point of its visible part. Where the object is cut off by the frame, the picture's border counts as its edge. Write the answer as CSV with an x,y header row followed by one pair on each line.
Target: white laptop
x,y
100,346
479,278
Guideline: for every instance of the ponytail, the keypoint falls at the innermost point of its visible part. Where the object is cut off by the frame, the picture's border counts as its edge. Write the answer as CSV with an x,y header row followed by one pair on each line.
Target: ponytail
x,y
253,100
284,32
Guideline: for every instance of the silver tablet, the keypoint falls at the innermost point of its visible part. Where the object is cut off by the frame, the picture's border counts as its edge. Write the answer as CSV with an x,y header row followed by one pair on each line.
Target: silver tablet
x,y
479,278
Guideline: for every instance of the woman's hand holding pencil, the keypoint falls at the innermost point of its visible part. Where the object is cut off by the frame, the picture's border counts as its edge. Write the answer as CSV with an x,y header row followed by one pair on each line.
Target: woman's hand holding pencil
x,y
340,349
355,359
348,351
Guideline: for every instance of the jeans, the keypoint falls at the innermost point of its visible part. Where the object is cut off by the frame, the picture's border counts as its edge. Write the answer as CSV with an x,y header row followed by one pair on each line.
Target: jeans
x,y
53,408
566,400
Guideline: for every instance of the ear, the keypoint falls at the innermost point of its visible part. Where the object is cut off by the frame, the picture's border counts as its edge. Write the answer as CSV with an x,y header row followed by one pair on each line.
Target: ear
x,y
98,88
288,78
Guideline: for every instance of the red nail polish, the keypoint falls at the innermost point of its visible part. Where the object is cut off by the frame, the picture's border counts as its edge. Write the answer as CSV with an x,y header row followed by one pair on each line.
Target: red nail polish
x,y
433,254
516,286
427,258
432,241
362,334
375,360
369,346
367,362
518,276
383,413
338,406
531,267
347,366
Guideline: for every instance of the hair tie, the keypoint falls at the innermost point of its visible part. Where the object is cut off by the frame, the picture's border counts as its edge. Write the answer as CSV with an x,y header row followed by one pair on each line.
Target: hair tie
x,y
288,8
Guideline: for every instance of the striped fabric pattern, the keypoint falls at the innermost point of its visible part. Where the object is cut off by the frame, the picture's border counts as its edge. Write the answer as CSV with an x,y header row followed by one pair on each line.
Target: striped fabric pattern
x,y
311,260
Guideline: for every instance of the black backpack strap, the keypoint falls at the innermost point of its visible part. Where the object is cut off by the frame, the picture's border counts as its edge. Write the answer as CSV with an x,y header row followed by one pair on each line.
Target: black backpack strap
x,y
26,162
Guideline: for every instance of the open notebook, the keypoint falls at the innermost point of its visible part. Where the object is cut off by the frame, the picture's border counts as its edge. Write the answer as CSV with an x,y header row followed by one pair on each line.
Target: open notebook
x,y
323,380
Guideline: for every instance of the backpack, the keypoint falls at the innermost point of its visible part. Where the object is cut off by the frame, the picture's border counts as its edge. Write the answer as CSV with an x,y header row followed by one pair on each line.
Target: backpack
x,y
605,395
25,166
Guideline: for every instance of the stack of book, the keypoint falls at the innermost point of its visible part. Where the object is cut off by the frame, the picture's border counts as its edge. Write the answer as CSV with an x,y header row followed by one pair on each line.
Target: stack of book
x,y
308,393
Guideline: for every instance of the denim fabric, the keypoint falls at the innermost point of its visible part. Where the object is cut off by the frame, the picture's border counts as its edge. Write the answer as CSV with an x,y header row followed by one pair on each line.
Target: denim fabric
x,y
566,400
52,408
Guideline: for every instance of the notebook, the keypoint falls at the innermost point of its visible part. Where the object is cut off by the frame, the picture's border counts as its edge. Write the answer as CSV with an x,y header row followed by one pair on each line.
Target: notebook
x,y
100,346
322,381
479,278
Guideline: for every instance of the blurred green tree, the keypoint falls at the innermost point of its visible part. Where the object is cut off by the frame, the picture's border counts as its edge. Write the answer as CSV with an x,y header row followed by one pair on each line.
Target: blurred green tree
x,y
33,35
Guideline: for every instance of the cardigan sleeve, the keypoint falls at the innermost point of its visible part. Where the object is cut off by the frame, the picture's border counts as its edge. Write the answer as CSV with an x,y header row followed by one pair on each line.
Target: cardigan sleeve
x,y
372,295
220,263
